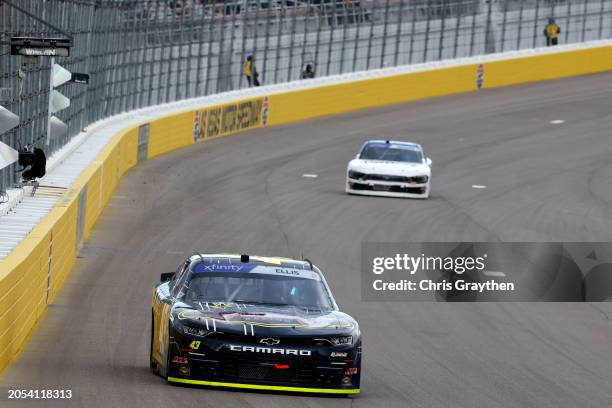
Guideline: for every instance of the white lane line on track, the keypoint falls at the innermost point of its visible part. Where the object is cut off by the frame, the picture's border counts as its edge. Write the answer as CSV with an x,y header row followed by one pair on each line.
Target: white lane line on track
x,y
309,175
557,122
480,186
493,273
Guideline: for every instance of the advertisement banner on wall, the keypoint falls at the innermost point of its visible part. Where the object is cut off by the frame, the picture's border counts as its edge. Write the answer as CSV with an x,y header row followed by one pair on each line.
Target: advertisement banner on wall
x,y
226,119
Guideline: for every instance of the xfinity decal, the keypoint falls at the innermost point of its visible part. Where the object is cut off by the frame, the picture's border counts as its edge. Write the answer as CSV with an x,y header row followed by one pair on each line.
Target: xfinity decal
x,y
222,267
270,350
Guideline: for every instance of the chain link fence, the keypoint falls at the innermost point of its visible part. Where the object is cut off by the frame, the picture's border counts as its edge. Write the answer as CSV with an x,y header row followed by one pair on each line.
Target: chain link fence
x,y
145,52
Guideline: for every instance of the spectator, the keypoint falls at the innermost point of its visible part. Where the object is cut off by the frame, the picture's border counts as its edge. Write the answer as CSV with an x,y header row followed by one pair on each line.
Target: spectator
x,y
308,72
551,32
248,69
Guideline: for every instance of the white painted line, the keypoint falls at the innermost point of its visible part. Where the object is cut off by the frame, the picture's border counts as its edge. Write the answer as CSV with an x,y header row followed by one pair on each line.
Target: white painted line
x,y
478,186
557,122
494,273
310,175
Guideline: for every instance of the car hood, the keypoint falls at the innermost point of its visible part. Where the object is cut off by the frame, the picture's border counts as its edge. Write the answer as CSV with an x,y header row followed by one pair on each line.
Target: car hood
x,y
389,168
264,320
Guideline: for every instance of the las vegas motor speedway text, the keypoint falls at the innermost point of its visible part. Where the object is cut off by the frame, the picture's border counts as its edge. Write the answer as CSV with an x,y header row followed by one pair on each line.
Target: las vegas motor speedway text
x,y
444,285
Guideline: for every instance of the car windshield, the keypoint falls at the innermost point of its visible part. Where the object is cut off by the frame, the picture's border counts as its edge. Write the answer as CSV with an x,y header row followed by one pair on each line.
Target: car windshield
x,y
256,288
391,153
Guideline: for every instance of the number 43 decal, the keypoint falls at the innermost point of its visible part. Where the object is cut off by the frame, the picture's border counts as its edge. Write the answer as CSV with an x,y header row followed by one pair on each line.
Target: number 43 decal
x,y
195,345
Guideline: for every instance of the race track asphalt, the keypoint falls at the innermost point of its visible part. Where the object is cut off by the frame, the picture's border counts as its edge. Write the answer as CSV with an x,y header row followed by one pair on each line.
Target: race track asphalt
x,y
247,194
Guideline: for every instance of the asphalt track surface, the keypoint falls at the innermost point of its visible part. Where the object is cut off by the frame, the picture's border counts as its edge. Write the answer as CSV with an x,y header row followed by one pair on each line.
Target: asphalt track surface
x,y
247,193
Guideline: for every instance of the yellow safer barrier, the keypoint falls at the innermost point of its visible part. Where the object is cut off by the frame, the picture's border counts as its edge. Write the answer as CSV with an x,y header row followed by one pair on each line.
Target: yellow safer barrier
x,y
32,275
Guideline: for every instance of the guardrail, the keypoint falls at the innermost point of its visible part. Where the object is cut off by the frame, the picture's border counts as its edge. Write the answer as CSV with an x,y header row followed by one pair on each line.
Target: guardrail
x,y
32,275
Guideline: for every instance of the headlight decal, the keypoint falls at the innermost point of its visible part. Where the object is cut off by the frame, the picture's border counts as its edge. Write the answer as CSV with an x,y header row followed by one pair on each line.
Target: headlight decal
x,y
355,175
342,340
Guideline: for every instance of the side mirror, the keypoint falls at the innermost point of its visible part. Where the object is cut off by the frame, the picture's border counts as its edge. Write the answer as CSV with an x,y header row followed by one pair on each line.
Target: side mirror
x,y
165,277
428,161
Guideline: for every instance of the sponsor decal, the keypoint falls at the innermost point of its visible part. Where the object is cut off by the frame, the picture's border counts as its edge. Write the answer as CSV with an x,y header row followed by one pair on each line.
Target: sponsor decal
x,y
286,271
270,341
227,119
264,112
281,366
339,354
184,370
180,360
220,268
196,125
346,380
480,76
350,371
270,350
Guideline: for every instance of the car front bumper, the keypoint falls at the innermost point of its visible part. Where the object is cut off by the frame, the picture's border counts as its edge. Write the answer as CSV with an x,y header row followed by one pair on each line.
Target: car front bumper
x,y
212,365
387,189
279,388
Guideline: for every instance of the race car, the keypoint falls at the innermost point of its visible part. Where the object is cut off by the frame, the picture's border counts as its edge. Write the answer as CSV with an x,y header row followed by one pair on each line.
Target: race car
x,y
250,322
390,168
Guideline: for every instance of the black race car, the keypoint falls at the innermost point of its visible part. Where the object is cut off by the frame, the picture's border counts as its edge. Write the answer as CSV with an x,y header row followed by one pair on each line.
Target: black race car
x,y
253,322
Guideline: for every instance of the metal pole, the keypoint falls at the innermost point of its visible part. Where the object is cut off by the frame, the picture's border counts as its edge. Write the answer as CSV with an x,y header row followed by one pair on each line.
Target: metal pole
x,y
372,18
520,28
347,21
473,32
601,19
398,33
427,28
568,21
334,22
279,46
412,33
357,41
536,27
442,29
584,19
50,101
503,33
457,30
385,36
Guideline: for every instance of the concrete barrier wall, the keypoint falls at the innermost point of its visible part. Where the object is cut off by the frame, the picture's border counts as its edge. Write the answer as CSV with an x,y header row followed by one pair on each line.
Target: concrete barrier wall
x,y
32,275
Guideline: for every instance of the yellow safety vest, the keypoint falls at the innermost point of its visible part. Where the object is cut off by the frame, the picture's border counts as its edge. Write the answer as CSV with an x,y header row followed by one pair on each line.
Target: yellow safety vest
x,y
552,30
247,68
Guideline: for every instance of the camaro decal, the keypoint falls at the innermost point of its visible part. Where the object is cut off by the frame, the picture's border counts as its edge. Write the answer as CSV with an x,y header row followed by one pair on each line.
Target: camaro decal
x,y
270,350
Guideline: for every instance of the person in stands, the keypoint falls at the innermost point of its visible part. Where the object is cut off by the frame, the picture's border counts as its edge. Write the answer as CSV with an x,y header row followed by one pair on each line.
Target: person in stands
x,y
551,32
